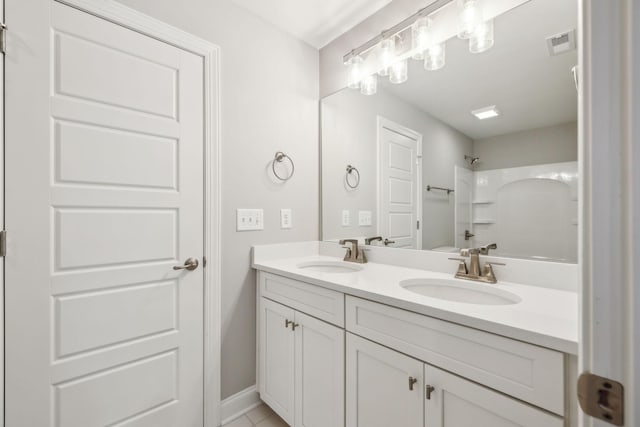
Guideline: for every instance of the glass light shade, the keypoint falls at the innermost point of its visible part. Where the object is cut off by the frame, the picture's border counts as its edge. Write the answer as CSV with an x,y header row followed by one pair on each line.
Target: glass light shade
x,y
482,38
355,72
398,72
369,85
387,55
420,37
469,18
434,57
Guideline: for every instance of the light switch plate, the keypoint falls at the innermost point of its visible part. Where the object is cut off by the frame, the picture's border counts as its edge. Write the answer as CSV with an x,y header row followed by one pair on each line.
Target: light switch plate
x,y
286,221
365,218
249,219
346,218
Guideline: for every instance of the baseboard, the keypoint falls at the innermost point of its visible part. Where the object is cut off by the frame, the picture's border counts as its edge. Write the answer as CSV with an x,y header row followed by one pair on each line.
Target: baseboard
x,y
239,404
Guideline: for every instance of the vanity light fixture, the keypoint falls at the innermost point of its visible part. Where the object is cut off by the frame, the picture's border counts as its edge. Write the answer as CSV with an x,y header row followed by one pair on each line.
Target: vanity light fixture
x,y
399,72
434,57
387,54
469,18
421,37
486,112
355,72
482,38
369,85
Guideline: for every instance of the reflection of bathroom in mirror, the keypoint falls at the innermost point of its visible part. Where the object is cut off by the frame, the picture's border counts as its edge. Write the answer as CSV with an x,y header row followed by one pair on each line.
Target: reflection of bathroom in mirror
x,y
434,176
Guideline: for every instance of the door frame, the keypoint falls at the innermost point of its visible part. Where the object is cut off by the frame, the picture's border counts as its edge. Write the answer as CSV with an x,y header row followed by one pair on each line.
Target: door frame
x,y
383,122
2,224
609,150
210,53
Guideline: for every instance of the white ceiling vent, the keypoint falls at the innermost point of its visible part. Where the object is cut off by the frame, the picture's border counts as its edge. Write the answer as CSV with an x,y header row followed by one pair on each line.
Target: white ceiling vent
x,y
561,43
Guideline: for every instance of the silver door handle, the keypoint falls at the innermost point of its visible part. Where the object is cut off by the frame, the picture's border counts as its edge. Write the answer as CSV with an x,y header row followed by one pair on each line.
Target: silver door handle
x,y
190,264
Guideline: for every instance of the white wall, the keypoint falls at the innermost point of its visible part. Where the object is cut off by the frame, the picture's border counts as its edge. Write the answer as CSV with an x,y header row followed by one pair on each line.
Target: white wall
x,y
553,144
269,102
349,136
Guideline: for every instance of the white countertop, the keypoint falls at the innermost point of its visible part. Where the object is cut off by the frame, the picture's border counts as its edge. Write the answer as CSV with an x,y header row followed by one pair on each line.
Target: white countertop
x,y
545,317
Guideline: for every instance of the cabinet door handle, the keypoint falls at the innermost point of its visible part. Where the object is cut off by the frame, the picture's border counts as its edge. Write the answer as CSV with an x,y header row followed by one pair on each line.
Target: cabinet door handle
x,y
294,326
412,382
287,322
430,389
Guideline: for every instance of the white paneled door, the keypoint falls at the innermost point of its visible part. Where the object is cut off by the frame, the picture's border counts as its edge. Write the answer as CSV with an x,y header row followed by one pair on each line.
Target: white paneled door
x,y
400,151
104,167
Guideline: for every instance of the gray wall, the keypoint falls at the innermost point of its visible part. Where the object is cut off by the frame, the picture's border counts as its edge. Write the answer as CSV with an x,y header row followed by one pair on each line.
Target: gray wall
x,y
269,103
552,144
349,136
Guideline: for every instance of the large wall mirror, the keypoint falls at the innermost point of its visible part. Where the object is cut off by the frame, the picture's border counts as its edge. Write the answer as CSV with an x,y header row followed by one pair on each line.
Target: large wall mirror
x,y
414,165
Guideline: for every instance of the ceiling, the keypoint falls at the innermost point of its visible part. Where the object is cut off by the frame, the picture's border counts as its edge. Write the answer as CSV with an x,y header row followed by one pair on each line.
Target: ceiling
x,y
316,22
531,88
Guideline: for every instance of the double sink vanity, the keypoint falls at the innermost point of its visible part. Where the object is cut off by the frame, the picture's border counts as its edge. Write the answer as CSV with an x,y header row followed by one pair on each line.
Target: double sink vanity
x,y
399,342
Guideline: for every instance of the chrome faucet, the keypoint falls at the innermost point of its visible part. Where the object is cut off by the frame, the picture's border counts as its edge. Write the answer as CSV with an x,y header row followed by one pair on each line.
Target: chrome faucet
x,y
368,240
473,272
354,253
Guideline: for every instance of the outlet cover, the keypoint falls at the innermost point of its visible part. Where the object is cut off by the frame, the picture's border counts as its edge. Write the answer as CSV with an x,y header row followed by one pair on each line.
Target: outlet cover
x,y
346,218
285,219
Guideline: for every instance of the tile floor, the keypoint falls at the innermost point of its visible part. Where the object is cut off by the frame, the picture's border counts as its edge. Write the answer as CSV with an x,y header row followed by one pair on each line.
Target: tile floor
x,y
262,416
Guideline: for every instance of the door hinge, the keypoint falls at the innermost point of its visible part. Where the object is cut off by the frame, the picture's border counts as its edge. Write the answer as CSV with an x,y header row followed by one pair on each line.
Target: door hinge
x,y
3,243
3,38
418,224
601,398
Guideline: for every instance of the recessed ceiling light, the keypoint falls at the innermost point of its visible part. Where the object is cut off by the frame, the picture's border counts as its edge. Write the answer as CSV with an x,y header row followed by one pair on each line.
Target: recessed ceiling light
x,y
486,112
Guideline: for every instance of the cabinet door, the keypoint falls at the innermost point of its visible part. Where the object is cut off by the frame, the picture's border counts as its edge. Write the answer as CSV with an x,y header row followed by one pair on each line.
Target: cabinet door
x,y
319,373
276,358
378,386
456,402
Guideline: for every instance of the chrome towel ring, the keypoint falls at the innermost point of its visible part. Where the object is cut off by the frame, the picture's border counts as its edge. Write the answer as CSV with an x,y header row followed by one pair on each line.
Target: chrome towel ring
x,y
280,157
350,172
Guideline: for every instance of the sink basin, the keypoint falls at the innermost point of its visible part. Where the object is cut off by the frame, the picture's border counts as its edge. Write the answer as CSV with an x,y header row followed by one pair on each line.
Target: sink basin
x,y
330,267
453,290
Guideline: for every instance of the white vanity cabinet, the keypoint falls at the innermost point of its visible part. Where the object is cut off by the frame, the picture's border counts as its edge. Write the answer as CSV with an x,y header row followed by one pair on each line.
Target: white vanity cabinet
x,y
300,358
330,359
387,388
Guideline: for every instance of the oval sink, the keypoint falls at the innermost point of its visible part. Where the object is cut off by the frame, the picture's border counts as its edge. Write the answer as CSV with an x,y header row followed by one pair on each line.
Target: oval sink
x,y
453,290
330,267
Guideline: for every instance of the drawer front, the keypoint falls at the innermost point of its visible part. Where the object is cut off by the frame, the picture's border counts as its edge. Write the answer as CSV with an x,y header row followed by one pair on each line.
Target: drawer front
x,y
315,301
527,372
